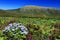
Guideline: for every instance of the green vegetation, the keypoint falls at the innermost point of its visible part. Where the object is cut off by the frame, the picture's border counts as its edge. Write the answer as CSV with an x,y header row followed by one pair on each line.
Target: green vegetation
x,y
42,23
32,11
39,29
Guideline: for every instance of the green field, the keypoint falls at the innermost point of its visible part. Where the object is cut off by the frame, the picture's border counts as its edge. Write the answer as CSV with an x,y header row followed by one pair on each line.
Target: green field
x,y
39,28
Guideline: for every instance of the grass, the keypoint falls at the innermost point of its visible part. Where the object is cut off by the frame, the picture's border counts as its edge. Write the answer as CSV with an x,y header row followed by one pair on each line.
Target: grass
x,y
39,29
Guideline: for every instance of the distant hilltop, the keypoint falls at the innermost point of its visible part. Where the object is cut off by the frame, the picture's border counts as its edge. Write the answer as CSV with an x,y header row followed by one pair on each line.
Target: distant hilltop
x,y
32,11
33,6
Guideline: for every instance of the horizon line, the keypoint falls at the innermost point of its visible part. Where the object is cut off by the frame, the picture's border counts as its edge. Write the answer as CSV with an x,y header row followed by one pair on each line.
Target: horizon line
x,y
30,5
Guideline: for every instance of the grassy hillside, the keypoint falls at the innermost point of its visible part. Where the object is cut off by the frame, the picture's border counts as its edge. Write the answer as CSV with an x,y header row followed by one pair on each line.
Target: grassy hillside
x,y
32,11
39,28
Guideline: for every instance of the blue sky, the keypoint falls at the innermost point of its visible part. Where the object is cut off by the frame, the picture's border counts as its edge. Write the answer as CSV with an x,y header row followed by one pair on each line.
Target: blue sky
x,y
13,4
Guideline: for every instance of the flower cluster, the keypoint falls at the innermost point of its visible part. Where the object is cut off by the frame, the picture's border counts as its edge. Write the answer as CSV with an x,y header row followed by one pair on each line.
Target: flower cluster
x,y
16,26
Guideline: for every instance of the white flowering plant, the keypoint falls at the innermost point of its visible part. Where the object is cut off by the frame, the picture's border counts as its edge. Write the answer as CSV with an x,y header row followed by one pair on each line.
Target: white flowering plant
x,y
15,31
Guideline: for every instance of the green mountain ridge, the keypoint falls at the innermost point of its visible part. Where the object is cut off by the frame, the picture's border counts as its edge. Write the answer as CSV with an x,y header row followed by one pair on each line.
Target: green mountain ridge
x,y
32,11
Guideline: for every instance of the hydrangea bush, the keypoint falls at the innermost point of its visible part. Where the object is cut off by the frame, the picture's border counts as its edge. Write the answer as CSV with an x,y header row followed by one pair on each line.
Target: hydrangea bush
x,y
15,31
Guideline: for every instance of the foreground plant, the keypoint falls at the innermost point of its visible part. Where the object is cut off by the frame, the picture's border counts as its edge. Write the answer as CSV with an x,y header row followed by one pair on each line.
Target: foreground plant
x,y
15,31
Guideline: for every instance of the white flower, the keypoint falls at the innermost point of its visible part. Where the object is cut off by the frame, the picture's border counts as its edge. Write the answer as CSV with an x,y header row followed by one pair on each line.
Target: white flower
x,y
13,29
10,24
3,30
15,26
7,28
24,32
19,24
